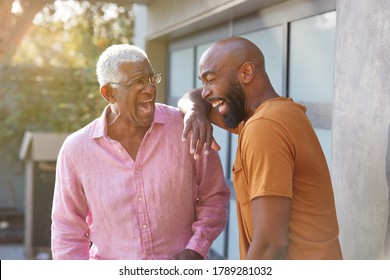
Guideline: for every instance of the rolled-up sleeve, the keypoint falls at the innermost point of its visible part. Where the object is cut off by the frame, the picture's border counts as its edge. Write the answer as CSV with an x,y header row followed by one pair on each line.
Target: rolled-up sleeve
x,y
69,230
211,206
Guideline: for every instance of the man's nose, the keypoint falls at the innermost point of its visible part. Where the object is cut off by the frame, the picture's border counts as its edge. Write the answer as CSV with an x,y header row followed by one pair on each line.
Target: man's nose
x,y
205,92
149,88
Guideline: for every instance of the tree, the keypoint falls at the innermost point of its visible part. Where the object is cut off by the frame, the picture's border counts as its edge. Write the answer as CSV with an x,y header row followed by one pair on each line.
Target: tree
x,y
49,84
13,27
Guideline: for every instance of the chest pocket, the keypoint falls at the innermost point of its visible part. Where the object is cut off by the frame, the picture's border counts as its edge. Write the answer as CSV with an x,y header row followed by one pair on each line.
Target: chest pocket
x,y
244,209
240,181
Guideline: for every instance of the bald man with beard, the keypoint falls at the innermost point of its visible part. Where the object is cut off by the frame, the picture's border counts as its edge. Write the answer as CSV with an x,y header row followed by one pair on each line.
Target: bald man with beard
x,y
284,193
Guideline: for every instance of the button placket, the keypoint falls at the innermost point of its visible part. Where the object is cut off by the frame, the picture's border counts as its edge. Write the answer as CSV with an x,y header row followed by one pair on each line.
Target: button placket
x,y
142,212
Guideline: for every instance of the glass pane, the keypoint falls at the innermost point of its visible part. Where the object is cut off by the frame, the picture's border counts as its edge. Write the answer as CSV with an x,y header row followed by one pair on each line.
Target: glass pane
x,y
312,43
200,49
233,149
221,136
181,72
219,244
270,41
233,247
311,67
325,138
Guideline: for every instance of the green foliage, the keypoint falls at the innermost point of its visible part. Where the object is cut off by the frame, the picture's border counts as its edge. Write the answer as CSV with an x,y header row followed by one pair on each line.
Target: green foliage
x,y
77,36
51,84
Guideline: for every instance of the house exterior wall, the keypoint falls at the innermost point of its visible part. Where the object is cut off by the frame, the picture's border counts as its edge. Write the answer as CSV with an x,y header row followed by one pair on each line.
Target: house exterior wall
x,y
164,20
360,121
174,18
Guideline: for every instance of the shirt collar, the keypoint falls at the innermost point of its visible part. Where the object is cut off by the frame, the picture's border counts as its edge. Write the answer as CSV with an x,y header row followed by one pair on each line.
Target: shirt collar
x,y
100,128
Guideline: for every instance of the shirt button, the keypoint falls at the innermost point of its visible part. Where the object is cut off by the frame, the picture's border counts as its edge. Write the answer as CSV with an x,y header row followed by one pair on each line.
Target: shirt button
x,y
144,226
140,199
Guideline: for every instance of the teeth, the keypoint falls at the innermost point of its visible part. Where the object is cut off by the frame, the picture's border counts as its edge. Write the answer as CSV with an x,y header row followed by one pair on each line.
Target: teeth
x,y
147,101
217,103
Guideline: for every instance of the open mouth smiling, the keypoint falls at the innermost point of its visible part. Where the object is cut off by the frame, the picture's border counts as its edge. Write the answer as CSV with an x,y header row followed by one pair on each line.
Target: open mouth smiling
x,y
220,104
216,103
146,106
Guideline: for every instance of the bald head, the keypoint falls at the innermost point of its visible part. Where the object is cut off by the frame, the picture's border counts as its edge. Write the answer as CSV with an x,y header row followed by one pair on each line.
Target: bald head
x,y
233,74
233,51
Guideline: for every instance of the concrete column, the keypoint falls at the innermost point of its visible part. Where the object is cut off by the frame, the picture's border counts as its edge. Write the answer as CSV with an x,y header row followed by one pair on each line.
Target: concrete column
x,y
360,125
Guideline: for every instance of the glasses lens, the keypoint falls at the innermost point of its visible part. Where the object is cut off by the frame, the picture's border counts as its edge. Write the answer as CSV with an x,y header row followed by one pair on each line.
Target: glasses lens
x,y
139,84
154,79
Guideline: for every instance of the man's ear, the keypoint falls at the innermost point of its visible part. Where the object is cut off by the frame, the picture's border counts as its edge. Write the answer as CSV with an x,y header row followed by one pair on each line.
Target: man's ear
x,y
107,93
247,72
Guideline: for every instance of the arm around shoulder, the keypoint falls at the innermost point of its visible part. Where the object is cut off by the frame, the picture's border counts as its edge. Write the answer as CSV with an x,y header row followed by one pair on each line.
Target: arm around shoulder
x,y
197,125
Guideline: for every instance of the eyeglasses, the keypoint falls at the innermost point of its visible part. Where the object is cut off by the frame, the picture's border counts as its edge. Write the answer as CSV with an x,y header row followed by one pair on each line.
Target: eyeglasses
x,y
140,83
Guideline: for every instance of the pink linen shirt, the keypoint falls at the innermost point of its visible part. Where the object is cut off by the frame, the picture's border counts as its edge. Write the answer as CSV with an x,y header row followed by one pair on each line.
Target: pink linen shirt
x,y
150,208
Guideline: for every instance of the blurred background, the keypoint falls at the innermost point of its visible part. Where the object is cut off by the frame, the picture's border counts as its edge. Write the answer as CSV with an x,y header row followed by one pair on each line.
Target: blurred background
x,y
330,55
48,53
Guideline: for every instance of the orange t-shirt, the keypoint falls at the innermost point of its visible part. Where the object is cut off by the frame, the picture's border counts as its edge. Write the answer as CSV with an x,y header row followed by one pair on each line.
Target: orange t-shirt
x,y
279,154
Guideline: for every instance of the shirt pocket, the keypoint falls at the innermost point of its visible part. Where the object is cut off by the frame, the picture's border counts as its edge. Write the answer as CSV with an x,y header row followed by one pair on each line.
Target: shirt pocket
x,y
240,182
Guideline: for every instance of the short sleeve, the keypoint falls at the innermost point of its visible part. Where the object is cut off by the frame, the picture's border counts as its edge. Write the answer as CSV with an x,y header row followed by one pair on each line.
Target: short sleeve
x,y
267,153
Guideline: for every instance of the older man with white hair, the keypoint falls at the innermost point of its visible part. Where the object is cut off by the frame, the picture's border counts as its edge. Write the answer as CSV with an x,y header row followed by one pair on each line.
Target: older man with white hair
x,y
126,187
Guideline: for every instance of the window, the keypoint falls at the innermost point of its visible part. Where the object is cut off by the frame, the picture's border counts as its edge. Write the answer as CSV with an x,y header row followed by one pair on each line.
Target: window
x,y
299,59
181,74
311,68
270,41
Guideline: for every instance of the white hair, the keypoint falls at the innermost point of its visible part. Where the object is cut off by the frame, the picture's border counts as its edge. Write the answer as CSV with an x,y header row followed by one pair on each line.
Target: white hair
x,y
107,67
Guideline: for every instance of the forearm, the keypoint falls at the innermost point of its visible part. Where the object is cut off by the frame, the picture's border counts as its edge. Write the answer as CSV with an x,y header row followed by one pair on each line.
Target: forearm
x,y
271,235
69,233
69,229
197,125
267,251
213,198
65,247
194,107
193,101
210,222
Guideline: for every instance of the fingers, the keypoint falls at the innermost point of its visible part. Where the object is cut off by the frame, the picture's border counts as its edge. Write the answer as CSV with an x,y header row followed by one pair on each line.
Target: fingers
x,y
200,133
194,143
209,140
197,144
185,133
199,139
